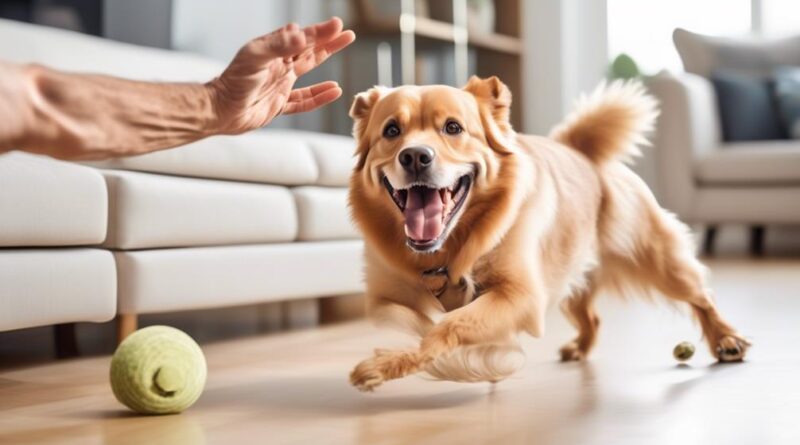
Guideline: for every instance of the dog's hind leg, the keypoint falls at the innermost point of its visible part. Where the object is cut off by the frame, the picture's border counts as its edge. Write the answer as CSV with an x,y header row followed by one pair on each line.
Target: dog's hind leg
x,y
579,310
682,279
664,259
644,246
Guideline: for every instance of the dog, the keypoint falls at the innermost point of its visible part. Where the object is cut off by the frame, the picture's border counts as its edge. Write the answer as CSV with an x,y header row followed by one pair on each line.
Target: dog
x,y
472,230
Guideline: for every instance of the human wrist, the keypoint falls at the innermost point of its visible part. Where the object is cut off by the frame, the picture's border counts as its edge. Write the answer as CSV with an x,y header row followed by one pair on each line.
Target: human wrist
x,y
215,123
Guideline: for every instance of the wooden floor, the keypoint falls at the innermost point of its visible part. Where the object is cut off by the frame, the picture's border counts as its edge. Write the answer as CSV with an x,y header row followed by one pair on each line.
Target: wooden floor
x,y
292,388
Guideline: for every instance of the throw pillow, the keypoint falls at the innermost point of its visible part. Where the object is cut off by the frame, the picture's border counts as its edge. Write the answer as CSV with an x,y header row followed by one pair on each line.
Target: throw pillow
x,y
746,107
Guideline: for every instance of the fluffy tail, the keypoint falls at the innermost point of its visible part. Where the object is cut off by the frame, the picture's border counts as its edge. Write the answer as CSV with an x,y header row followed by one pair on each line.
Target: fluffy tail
x,y
610,123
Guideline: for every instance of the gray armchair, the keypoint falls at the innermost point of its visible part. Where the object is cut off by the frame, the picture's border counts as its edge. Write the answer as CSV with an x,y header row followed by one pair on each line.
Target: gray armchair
x,y
706,180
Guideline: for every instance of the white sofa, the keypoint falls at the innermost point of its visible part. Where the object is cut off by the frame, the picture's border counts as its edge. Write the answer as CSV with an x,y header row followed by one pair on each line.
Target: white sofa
x,y
702,178
220,222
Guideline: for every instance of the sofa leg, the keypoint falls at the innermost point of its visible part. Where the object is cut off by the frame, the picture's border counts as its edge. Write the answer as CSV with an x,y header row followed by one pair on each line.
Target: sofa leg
x,y
65,340
708,240
126,325
757,234
300,314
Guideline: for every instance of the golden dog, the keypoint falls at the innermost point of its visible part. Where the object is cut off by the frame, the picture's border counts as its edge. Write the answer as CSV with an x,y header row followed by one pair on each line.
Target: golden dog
x,y
484,227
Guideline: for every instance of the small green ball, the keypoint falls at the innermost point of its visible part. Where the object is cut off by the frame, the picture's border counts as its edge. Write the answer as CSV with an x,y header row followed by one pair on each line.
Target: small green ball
x,y
683,351
158,370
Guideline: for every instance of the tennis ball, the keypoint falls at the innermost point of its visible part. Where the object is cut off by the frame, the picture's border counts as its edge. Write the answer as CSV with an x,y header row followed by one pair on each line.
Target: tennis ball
x,y
683,351
158,370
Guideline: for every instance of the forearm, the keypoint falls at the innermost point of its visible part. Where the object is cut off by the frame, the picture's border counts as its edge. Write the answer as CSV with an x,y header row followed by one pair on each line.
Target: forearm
x,y
79,116
16,112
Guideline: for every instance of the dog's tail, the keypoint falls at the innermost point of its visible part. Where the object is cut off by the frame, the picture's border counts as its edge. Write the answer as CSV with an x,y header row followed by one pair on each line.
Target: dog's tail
x,y
610,123
485,362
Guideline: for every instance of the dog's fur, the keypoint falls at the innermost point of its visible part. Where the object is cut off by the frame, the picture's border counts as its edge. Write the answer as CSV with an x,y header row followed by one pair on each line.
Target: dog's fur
x,y
546,219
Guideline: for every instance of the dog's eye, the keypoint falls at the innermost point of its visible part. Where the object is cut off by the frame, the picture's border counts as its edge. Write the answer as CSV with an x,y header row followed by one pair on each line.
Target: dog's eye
x,y
452,127
391,130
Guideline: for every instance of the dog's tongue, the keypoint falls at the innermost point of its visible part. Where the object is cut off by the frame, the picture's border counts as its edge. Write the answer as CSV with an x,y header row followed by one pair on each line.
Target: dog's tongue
x,y
423,214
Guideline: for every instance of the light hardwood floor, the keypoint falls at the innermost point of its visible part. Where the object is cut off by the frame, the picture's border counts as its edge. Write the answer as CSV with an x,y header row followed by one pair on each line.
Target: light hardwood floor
x,y
292,388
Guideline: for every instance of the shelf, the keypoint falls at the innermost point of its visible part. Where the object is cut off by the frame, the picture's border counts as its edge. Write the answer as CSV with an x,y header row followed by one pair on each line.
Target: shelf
x,y
444,32
496,42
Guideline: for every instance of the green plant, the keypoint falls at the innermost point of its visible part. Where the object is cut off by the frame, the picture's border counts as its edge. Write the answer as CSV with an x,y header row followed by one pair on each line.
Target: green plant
x,y
623,67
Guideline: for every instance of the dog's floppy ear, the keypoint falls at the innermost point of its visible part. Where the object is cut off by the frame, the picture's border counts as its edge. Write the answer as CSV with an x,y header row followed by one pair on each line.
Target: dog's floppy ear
x,y
494,103
360,111
494,96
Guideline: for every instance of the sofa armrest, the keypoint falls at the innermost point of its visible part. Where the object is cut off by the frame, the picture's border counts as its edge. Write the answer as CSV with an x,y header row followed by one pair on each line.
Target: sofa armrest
x,y
687,128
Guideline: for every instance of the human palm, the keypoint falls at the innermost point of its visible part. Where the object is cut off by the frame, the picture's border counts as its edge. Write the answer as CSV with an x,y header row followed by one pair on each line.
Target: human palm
x,y
258,85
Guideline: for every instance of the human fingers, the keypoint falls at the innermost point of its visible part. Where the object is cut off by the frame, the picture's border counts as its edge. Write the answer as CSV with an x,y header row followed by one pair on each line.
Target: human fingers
x,y
322,32
314,57
310,98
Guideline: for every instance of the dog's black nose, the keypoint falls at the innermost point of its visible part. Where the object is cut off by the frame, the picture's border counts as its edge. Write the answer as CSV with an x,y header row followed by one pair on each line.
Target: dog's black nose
x,y
416,159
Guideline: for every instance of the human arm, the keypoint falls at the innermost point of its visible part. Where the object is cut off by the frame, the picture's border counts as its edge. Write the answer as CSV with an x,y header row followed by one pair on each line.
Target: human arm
x,y
84,116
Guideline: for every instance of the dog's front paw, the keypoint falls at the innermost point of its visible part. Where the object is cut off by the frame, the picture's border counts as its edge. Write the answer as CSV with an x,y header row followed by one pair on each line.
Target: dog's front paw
x,y
731,348
385,365
366,376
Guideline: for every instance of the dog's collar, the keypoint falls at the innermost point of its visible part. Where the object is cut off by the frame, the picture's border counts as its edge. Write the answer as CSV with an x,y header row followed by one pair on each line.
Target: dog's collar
x,y
436,280
436,271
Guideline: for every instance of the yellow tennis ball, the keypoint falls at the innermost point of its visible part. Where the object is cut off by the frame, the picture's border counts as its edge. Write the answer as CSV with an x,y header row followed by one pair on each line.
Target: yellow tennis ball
x,y
683,351
158,370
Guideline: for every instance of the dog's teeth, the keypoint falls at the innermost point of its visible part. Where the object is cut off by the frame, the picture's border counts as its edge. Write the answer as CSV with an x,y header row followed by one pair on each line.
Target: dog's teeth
x,y
458,193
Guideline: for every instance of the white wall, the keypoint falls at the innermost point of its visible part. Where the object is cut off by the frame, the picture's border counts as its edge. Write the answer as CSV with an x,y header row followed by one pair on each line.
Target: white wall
x,y
141,22
566,54
219,28
565,44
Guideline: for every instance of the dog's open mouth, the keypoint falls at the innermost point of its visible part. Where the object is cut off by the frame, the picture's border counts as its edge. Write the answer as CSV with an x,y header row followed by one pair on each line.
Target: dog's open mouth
x,y
428,211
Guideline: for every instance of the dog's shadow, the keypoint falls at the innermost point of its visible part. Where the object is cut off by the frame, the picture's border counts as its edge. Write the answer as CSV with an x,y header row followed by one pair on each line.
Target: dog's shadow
x,y
678,390
333,397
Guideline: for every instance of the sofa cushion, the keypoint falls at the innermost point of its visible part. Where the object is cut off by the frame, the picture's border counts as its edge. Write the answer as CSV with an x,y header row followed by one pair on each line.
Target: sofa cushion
x,y
703,54
283,157
746,107
205,277
72,51
255,157
148,211
44,202
48,286
746,205
334,155
323,214
768,163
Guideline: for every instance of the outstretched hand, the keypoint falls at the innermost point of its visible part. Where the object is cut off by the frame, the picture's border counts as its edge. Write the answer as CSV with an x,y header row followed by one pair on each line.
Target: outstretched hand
x,y
258,85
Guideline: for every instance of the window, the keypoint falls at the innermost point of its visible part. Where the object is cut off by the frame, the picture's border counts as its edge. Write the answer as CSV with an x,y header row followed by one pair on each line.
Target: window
x,y
780,17
643,29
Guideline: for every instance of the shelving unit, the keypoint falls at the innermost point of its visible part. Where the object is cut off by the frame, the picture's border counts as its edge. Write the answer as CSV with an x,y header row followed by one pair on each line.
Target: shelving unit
x,y
426,27
498,53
